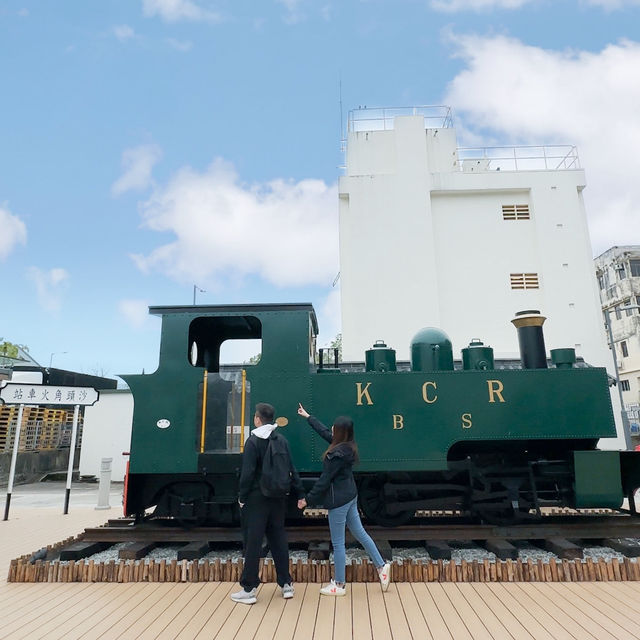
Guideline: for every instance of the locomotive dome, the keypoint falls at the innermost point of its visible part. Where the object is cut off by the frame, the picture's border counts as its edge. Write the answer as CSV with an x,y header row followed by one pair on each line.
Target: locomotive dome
x,y
431,350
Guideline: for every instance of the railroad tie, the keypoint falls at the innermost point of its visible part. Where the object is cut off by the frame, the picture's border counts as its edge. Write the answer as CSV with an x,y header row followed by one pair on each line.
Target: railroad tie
x,y
502,548
136,550
193,550
563,548
438,549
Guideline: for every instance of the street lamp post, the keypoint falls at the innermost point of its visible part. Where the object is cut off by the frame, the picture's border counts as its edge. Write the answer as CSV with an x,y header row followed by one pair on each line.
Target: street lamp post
x,y
196,288
625,417
56,353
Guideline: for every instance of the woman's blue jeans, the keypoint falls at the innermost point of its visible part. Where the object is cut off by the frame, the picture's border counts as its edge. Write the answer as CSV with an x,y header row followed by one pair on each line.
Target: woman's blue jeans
x,y
348,515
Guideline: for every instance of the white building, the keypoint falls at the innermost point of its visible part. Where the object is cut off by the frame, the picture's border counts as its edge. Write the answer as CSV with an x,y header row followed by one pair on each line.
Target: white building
x,y
107,433
618,271
461,239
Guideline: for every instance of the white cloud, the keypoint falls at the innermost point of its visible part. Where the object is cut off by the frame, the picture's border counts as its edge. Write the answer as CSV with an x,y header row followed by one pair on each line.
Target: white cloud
x,y
528,95
175,10
294,13
481,5
12,232
23,13
283,231
137,163
49,286
180,45
291,5
610,5
477,5
135,312
123,32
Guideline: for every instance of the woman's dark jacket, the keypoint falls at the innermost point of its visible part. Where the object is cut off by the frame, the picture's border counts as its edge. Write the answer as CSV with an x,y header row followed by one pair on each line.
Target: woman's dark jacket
x,y
336,486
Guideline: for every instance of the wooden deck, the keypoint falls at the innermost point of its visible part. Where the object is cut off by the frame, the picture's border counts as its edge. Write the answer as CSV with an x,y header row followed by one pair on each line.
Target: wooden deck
x,y
448,611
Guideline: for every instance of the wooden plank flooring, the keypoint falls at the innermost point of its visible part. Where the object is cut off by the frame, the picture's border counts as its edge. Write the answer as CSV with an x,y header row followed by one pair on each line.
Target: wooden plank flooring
x,y
189,611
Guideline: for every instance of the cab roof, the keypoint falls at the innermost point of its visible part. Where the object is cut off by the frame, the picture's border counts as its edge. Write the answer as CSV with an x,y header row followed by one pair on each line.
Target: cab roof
x,y
241,309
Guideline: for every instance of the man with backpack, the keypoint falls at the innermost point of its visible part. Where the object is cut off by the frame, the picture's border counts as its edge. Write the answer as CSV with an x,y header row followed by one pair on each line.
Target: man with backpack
x,y
266,480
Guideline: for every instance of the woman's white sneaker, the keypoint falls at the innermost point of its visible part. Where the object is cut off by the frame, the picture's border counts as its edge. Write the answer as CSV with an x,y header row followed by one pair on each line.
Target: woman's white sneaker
x,y
385,576
332,589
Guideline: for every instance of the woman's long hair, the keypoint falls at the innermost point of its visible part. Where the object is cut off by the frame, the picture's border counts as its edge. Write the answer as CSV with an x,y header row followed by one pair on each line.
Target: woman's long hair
x,y
343,432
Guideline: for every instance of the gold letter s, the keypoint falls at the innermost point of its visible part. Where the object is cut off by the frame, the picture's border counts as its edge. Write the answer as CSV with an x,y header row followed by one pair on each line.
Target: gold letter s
x,y
363,393
466,421
495,391
425,393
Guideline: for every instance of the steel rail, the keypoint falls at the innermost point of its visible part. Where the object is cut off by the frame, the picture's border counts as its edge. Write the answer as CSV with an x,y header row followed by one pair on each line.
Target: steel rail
x,y
573,527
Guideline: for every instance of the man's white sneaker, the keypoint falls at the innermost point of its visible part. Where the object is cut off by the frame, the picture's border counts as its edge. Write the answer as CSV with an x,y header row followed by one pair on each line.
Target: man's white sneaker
x,y
332,589
385,576
287,591
246,597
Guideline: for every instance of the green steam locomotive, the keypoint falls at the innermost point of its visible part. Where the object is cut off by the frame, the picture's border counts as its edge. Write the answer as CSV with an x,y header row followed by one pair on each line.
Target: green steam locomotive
x,y
498,444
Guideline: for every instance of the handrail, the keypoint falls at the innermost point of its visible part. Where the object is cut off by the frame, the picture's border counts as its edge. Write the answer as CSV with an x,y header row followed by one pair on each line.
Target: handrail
x,y
519,158
242,408
383,118
204,411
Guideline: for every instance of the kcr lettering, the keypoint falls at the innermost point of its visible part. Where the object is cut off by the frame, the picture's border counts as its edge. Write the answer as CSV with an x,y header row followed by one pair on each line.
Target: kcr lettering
x,y
425,392
363,393
495,389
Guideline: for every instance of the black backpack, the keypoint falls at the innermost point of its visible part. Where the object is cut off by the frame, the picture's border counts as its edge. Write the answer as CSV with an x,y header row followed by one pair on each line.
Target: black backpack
x,y
275,481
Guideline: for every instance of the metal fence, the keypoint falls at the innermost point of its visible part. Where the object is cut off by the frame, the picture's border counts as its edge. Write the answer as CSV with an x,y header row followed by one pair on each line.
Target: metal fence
x,y
520,158
383,118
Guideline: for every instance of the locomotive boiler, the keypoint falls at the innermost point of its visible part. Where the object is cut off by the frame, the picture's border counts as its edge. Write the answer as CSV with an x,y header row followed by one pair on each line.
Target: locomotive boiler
x,y
497,444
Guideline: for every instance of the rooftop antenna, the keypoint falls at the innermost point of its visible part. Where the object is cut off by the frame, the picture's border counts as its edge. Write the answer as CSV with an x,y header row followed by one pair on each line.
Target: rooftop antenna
x,y
342,135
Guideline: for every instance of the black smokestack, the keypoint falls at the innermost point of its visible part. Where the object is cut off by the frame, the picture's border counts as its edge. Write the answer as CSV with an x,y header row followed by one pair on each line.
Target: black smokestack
x,y
531,339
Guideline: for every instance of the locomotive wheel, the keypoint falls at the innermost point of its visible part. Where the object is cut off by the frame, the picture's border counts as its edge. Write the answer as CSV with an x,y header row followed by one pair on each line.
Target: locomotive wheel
x,y
372,503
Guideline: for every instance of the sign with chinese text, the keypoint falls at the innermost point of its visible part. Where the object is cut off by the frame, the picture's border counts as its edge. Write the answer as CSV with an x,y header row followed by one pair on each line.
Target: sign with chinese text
x,y
19,393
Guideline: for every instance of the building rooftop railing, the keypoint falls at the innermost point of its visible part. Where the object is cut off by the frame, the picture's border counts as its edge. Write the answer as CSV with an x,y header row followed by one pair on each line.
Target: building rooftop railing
x,y
382,118
470,159
524,158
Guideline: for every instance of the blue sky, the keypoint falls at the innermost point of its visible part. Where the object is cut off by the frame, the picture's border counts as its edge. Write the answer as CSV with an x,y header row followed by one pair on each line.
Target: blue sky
x,y
150,145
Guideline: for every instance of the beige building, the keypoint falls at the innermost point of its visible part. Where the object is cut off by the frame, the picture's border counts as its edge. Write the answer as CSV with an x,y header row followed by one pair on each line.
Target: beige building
x,y
618,271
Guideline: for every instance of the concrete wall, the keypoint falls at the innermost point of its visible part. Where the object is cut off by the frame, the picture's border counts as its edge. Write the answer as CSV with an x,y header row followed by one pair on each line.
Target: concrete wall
x,y
31,466
107,433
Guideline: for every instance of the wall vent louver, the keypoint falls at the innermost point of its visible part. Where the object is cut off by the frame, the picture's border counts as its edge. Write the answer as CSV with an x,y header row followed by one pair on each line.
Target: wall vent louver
x,y
524,281
515,212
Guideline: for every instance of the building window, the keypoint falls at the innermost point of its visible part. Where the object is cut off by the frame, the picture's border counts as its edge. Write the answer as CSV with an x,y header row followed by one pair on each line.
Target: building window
x,y
629,312
618,312
524,281
623,348
634,265
624,385
620,270
515,212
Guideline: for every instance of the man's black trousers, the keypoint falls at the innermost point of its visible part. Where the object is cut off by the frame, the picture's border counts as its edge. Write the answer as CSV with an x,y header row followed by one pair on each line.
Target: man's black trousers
x,y
264,516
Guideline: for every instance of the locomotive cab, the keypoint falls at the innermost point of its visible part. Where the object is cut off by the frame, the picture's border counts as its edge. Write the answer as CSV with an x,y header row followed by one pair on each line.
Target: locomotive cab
x,y
191,418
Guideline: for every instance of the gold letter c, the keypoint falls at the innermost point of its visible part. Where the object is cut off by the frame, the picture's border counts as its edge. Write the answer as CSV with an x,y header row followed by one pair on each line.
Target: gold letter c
x,y
425,392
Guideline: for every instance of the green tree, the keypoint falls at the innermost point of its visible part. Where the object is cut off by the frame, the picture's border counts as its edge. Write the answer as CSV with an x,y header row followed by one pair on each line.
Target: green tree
x,y
11,350
336,343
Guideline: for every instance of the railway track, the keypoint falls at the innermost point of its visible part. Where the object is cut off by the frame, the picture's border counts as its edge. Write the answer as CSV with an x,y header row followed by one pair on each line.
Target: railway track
x,y
438,542
571,527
